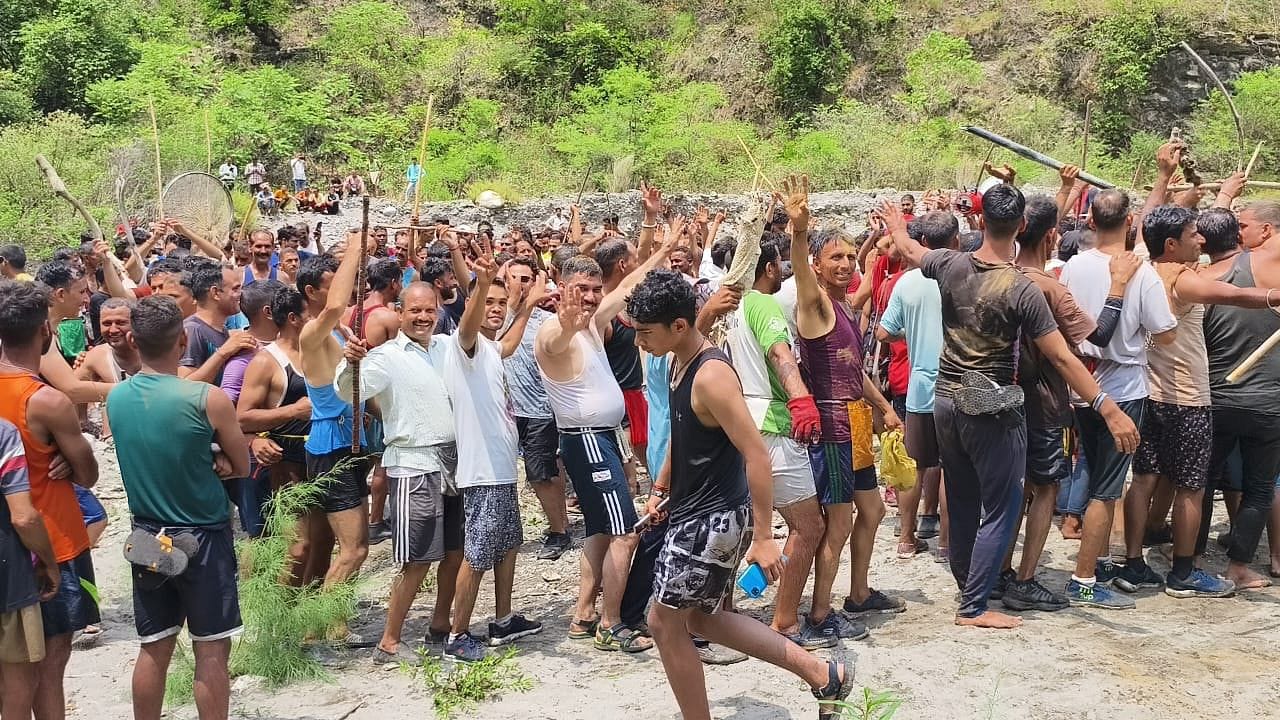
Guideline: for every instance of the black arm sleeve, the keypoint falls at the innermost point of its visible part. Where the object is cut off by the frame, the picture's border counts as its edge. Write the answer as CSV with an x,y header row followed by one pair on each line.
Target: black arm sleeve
x,y
1108,321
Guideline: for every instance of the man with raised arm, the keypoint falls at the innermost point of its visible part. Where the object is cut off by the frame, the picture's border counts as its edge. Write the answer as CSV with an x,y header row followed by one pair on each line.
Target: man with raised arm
x,y
720,504
588,406
843,468
987,306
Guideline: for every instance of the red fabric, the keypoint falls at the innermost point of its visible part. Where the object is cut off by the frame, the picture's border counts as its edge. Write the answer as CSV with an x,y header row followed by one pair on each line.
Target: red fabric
x,y
884,275
854,283
806,424
142,291
637,416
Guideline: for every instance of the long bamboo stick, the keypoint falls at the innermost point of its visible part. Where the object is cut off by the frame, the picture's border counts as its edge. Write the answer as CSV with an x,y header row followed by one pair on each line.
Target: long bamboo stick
x,y
1248,170
760,170
1032,155
417,186
155,137
357,327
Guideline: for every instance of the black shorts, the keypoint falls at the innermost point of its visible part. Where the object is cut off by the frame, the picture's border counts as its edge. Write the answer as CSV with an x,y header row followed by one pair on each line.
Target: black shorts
x,y
539,445
345,489
1108,467
921,439
204,597
594,463
1177,441
699,559
1046,456
75,607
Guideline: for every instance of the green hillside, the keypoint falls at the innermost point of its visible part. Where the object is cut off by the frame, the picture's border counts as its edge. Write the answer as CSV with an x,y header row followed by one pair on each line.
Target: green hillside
x,y
531,96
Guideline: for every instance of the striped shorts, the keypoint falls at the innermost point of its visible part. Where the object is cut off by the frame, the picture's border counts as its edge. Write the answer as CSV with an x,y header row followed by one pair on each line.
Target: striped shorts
x,y
594,462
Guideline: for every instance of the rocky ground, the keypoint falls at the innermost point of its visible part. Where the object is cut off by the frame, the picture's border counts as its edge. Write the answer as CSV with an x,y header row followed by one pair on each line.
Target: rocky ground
x,y
1169,658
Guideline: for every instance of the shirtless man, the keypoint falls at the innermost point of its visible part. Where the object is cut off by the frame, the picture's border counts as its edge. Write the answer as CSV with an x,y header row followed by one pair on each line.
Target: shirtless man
x,y
273,406
843,468
588,405
115,359
326,286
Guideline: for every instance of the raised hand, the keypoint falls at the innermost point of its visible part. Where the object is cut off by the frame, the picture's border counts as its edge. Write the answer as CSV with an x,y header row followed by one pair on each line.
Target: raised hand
x,y
702,216
891,215
573,315
536,291
650,201
795,201
1169,157
486,268
1067,175
1233,186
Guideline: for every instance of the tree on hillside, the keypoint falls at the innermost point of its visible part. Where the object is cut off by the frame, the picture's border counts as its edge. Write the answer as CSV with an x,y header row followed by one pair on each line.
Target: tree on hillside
x,y
79,43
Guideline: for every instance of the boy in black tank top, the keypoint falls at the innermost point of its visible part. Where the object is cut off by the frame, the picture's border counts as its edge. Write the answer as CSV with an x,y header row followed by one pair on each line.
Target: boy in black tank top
x,y
721,489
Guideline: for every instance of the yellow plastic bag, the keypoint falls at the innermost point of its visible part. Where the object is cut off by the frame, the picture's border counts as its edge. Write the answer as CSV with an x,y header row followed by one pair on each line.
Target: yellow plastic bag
x,y
896,466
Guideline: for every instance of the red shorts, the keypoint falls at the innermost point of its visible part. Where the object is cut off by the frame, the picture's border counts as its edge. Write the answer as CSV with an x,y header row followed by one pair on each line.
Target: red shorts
x,y
637,416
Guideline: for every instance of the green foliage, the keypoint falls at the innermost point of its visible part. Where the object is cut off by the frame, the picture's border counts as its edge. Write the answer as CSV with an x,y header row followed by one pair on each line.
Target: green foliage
x,y
79,43
1127,44
465,685
240,15
1256,95
871,705
15,103
373,44
813,46
938,71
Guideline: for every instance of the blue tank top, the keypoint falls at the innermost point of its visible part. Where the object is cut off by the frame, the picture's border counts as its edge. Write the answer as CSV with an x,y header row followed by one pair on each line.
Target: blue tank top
x,y
331,419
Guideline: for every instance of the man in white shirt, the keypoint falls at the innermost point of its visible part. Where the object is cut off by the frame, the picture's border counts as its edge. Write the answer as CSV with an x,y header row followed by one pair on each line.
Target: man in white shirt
x,y
486,459
227,173
1122,374
406,374
298,166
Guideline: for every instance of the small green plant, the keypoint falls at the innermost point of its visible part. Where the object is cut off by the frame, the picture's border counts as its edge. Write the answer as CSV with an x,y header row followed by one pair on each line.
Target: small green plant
x,y
872,705
462,687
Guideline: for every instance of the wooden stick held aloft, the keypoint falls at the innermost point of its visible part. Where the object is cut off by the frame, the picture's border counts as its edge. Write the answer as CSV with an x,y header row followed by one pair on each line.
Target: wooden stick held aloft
x,y
155,138
357,328
772,186
1231,105
1248,169
60,189
1254,358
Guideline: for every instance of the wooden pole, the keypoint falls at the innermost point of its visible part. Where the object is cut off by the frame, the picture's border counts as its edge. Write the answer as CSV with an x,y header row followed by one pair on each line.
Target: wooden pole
x,y
1248,169
357,328
585,177
759,169
1256,184
208,144
1231,104
1244,367
1032,155
417,187
244,221
1088,117
60,189
155,137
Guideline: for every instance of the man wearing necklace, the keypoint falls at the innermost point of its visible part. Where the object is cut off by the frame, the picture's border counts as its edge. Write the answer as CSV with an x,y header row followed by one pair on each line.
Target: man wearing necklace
x,y
843,468
987,307
720,481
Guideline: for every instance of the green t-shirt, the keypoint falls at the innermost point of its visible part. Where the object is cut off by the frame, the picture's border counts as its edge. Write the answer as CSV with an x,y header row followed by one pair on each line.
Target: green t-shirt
x,y
163,437
757,325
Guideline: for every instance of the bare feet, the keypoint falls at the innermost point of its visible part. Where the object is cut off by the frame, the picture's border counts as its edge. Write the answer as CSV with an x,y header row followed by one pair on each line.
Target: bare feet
x,y
1071,528
990,619
1275,567
1244,578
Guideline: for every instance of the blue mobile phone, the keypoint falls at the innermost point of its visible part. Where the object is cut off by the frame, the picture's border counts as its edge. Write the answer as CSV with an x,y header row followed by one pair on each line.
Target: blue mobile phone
x,y
752,581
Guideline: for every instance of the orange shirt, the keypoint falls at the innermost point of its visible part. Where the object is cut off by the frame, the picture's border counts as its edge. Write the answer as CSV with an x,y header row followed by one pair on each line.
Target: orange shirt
x,y
55,499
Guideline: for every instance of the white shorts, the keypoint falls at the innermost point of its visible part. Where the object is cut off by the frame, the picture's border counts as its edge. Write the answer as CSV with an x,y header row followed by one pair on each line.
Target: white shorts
x,y
792,478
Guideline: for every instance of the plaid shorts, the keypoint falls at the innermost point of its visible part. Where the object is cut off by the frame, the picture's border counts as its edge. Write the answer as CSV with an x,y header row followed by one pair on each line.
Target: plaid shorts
x,y
699,559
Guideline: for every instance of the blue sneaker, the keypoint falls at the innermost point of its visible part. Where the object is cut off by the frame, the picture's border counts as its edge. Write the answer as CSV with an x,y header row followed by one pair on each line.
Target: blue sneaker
x,y
465,648
1097,595
1199,584
1105,571
825,634
1131,580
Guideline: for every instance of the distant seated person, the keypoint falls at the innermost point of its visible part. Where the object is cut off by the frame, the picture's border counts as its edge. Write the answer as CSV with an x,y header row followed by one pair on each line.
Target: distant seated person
x,y
305,200
329,204
282,197
267,203
353,186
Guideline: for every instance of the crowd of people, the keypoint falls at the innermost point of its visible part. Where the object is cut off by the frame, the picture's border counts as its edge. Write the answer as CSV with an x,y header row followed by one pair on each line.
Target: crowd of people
x,y
669,385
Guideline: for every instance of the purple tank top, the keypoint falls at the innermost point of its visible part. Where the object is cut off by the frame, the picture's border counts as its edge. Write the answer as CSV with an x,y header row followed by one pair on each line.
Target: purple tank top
x,y
832,368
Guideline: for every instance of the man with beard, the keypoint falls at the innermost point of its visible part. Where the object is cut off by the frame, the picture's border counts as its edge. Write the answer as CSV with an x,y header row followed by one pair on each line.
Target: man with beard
x,y
261,253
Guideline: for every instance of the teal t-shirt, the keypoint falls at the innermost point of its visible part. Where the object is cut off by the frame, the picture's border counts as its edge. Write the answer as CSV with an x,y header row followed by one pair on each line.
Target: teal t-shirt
x,y
163,437
915,312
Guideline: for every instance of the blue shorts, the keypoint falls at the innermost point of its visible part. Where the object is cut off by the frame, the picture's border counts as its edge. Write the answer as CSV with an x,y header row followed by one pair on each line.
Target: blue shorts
x,y
833,475
75,607
594,462
90,507
204,597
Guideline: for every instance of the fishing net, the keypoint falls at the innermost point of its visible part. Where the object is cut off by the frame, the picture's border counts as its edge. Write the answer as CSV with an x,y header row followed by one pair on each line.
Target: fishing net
x,y
200,202
133,187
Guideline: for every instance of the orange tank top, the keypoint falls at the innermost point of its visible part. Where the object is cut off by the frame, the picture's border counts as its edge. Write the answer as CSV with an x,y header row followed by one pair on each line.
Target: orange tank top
x,y
55,499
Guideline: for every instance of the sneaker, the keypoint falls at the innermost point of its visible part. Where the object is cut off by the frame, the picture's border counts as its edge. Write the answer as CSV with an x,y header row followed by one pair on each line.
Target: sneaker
x,y
1002,584
1097,595
825,634
514,629
929,527
402,655
1199,584
877,603
554,545
379,532
711,654
465,648
1105,571
1131,579
1031,595
851,629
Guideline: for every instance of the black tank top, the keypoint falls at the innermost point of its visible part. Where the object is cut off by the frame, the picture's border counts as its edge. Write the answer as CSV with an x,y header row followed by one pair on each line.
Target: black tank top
x,y
295,388
624,356
707,474
1231,334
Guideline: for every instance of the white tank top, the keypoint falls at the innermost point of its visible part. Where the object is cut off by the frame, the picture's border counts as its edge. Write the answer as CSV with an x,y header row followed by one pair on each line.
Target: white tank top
x,y
591,400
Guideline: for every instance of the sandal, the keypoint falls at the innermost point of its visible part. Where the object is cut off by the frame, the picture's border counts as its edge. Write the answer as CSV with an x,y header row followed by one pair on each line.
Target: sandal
x,y
621,637
588,630
831,698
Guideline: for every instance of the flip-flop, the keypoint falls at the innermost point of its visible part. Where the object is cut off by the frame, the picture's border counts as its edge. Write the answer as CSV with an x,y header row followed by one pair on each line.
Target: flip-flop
x,y
159,555
588,631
